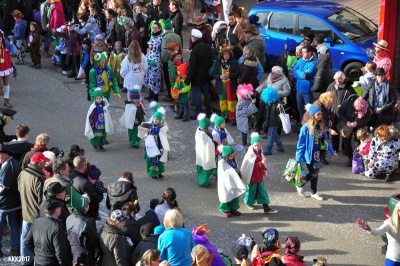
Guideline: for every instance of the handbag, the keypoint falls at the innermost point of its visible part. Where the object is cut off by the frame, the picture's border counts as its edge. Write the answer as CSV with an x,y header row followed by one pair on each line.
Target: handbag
x,y
294,173
344,129
151,147
285,119
357,165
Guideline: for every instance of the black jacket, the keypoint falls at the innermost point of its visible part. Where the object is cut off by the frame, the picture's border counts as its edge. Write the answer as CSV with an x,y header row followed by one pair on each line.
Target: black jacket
x,y
9,197
386,117
83,238
101,21
149,242
157,13
177,21
233,75
199,64
323,77
132,230
64,211
19,149
248,71
119,193
6,20
48,241
3,136
341,94
347,112
82,186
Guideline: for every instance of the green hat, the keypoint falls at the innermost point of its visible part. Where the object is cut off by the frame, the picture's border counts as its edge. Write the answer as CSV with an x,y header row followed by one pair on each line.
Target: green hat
x,y
168,25
227,150
255,137
217,120
78,202
154,106
158,115
97,93
99,57
204,122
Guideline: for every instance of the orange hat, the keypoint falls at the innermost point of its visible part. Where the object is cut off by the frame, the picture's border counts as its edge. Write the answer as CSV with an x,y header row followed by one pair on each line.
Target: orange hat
x,y
171,46
183,69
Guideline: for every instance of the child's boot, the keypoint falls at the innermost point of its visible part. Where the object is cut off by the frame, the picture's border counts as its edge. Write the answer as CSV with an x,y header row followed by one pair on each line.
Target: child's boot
x,y
185,117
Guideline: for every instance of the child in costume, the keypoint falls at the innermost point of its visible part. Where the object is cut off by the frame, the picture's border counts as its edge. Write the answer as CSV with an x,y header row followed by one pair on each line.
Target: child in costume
x,y
98,122
253,171
365,143
5,69
205,151
200,238
175,58
245,107
220,133
133,117
184,89
116,57
155,165
85,58
34,45
230,185
98,46
272,121
102,76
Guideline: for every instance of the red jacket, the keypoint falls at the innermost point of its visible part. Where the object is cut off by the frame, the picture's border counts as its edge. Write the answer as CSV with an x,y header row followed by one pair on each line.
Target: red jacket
x,y
258,171
293,260
56,16
6,56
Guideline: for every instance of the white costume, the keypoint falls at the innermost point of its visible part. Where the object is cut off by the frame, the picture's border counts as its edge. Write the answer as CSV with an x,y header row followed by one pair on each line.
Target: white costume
x,y
230,186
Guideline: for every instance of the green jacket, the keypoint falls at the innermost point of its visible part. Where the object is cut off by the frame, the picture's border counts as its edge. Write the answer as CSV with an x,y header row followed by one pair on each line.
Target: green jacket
x,y
106,91
184,96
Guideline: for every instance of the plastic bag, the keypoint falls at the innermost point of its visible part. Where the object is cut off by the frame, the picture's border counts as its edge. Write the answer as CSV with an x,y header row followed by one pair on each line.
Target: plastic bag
x,y
295,174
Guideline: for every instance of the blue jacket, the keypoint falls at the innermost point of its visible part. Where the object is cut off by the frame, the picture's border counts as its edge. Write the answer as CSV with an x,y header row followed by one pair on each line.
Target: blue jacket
x,y
302,67
19,30
305,145
175,246
85,57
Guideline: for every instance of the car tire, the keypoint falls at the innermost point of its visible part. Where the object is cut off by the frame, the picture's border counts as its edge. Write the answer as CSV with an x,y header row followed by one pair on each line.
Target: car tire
x,y
353,70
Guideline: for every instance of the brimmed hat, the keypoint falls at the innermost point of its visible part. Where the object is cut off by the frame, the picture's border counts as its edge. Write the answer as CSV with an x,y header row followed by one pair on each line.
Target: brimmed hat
x,y
54,189
382,44
198,20
380,71
252,28
51,204
17,14
39,158
8,112
119,215
196,33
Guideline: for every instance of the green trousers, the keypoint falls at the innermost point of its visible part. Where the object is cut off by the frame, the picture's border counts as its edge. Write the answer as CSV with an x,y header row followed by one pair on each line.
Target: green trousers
x,y
232,205
99,141
256,193
134,140
152,172
203,176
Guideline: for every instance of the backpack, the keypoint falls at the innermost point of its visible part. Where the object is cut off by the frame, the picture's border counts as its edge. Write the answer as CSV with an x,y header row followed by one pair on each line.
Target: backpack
x,y
261,259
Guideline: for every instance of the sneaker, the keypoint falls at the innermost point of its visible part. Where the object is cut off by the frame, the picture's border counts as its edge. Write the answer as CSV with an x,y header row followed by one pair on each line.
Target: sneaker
x,y
270,211
236,213
388,178
251,207
316,196
227,214
65,72
300,190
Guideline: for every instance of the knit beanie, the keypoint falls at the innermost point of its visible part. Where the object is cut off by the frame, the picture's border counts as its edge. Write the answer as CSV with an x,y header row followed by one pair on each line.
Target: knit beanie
x,y
312,109
227,150
94,172
204,122
217,120
97,93
168,25
154,106
255,137
158,116
134,94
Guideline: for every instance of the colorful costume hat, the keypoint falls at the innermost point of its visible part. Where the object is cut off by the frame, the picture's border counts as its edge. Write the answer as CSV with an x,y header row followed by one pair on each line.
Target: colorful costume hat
x,y
99,57
168,25
204,122
154,106
217,120
269,95
245,91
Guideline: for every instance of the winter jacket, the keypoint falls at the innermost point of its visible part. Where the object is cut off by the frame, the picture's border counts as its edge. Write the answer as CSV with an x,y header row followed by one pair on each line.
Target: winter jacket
x,y
83,238
132,230
257,43
233,76
28,156
9,196
205,37
119,193
342,93
293,260
271,114
44,8
19,30
91,28
386,117
150,242
327,114
19,149
167,38
248,71
30,187
161,209
85,58
115,247
244,109
134,35
177,22
48,241
281,85
100,19
347,113
303,67
323,77
150,221
56,16
64,211
117,32
162,13
199,64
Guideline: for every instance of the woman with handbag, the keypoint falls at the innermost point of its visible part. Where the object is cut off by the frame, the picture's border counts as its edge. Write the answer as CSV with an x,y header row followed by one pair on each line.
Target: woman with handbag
x,y
312,136
354,113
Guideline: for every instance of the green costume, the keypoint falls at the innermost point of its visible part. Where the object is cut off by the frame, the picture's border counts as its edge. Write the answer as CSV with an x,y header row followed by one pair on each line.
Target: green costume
x,y
256,193
232,205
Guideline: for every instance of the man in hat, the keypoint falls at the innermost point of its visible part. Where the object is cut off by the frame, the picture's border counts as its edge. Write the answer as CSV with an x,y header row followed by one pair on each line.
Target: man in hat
x,y
169,36
21,145
254,40
10,202
55,191
176,17
157,10
205,32
47,238
382,58
6,115
30,187
102,76
197,76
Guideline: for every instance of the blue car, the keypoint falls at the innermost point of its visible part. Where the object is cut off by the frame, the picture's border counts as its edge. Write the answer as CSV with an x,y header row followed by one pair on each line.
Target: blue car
x,y
348,34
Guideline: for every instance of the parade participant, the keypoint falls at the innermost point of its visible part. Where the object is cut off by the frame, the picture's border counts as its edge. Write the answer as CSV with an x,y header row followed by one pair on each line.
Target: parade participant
x,y
226,73
205,151
270,248
155,165
220,133
230,185
102,76
173,54
184,89
133,117
115,60
245,109
5,70
312,136
122,191
254,169
98,46
34,45
133,68
98,122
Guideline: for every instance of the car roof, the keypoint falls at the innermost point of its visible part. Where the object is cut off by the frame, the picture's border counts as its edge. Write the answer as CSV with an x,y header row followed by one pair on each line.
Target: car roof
x,y
318,8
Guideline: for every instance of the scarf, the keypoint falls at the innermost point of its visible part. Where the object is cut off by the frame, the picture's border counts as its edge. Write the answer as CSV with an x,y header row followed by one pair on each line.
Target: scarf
x,y
361,106
18,20
155,131
127,33
100,125
121,21
225,68
208,134
157,33
99,76
233,164
383,55
222,136
381,96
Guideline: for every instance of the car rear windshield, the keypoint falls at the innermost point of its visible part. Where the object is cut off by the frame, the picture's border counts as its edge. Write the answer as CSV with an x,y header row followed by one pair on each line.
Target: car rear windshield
x,y
352,24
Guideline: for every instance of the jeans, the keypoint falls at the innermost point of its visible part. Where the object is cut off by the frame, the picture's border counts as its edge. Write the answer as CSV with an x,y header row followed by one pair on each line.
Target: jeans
x,y
302,100
48,40
314,181
12,221
197,90
244,138
25,251
273,136
184,108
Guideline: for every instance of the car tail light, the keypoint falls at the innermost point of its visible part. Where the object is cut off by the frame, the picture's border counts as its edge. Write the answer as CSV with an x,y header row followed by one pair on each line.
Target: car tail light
x,y
387,214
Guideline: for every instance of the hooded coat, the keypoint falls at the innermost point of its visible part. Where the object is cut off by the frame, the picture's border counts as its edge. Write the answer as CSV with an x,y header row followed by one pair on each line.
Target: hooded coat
x,y
119,193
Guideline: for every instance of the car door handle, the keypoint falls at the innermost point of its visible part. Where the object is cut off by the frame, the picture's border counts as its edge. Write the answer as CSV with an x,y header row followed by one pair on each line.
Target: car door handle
x,y
266,36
